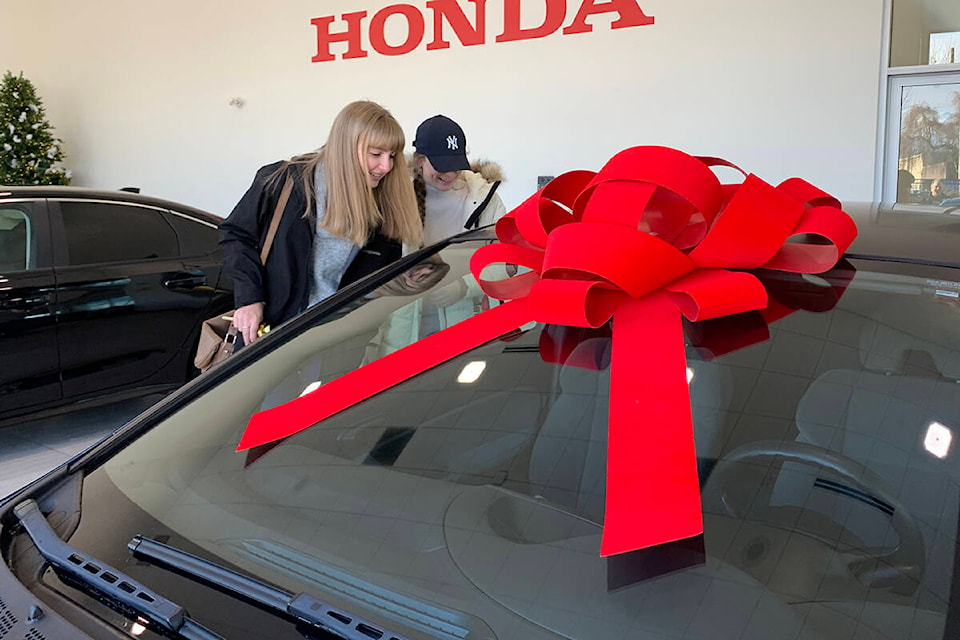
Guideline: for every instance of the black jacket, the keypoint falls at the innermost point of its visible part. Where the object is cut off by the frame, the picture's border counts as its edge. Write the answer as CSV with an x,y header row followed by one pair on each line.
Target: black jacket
x,y
284,284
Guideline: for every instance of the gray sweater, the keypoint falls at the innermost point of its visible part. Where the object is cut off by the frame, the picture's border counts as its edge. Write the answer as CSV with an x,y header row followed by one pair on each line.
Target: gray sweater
x,y
331,254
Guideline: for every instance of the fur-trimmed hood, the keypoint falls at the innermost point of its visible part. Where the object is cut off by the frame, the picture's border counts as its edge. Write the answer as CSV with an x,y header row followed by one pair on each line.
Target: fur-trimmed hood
x,y
490,170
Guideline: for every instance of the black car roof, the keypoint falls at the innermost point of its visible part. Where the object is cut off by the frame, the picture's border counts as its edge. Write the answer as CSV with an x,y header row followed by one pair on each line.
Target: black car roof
x,y
103,194
898,233
925,235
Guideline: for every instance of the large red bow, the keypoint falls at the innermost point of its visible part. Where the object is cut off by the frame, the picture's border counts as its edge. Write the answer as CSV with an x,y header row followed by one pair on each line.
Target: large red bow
x,y
652,236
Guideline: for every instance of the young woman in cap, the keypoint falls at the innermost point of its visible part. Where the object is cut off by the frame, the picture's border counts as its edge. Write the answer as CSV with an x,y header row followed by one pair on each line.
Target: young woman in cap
x,y
452,194
350,210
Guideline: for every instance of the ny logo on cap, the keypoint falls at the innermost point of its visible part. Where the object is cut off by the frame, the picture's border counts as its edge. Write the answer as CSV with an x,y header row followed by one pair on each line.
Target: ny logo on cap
x,y
452,143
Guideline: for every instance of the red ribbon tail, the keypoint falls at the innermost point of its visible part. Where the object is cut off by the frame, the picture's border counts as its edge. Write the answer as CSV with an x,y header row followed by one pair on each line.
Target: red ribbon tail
x,y
341,393
653,491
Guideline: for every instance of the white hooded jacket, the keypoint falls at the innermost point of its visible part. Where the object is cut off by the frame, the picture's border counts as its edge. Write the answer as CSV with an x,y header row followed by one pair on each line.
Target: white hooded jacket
x,y
448,212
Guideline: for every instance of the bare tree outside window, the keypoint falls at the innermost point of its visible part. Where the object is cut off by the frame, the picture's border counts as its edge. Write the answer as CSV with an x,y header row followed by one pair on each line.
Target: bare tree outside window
x,y
929,148
945,48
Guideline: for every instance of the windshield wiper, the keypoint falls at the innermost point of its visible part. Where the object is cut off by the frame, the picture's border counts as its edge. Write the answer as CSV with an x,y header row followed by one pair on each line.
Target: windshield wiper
x,y
300,607
119,591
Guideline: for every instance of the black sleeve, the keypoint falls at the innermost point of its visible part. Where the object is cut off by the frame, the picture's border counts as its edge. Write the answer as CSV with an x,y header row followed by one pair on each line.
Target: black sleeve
x,y
377,253
240,238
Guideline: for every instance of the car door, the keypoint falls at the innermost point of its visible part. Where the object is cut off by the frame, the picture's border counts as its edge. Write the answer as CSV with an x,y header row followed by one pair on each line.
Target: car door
x,y
126,305
30,375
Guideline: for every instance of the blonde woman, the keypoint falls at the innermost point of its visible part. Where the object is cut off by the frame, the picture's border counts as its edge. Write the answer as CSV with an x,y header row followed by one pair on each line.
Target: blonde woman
x,y
452,194
350,211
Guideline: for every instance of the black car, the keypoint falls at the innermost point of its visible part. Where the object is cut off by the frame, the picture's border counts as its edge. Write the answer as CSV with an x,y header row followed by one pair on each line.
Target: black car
x,y
101,292
467,502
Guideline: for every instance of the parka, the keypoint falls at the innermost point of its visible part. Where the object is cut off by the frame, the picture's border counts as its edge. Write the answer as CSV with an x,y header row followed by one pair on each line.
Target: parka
x,y
478,205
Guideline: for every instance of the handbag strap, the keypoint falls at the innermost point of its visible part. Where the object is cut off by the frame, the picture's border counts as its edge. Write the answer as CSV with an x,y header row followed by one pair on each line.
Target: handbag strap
x,y
275,221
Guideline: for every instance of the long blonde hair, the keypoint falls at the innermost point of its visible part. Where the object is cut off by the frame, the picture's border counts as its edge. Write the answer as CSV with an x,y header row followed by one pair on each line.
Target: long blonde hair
x,y
353,209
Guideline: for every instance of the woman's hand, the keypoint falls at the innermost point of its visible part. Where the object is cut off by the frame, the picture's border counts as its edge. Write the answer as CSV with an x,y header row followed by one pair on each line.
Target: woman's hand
x,y
247,320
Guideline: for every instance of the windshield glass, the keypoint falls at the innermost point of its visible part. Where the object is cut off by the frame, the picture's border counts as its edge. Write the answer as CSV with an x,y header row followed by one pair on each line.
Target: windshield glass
x,y
469,500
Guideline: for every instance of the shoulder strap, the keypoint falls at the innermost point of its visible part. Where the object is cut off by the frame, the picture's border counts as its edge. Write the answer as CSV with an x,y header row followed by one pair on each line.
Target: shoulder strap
x,y
474,218
275,221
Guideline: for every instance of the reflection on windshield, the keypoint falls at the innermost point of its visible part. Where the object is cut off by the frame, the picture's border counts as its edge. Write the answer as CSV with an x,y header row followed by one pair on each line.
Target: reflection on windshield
x,y
474,493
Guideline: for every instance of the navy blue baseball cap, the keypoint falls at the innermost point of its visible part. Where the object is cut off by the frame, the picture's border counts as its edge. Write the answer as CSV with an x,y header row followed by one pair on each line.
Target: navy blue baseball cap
x,y
442,141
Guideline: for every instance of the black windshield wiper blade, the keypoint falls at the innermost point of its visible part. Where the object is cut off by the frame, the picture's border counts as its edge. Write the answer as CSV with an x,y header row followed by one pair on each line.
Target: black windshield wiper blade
x,y
300,607
122,593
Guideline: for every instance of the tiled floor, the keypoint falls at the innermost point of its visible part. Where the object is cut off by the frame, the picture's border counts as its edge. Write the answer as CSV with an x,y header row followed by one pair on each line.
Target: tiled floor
x,y
30,449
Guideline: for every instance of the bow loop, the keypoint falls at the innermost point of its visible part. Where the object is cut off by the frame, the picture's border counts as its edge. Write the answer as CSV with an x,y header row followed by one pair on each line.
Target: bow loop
x,y
510,287
673,170
632,260
658,190
713,293
752,228
808,194
819,239
574,303
550,207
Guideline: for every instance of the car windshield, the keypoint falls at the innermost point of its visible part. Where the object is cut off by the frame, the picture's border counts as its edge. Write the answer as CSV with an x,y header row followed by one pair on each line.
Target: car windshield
x,y
468,501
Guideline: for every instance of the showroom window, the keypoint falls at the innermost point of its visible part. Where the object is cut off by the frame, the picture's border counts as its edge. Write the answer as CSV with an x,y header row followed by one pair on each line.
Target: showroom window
x,y
100,232
922,151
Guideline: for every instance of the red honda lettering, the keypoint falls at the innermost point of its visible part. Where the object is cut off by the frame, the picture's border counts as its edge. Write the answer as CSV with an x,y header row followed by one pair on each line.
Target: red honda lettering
x,y
556,11
415,29
351,36
468,34
450,14
631,15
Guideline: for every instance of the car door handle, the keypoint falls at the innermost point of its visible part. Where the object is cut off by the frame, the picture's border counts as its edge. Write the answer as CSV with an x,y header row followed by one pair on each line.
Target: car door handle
x,y
185,280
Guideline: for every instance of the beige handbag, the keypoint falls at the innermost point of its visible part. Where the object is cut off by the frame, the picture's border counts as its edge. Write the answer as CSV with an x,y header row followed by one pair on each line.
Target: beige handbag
x,y
218,336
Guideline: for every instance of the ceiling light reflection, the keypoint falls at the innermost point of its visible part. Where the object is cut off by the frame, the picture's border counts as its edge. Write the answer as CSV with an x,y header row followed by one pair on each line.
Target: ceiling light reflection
x,y
472,372
313,386
938,439
689,375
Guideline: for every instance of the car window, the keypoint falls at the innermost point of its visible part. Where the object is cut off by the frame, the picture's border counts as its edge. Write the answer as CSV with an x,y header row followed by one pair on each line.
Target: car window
x,y
197,237
98,232
17,239
824,435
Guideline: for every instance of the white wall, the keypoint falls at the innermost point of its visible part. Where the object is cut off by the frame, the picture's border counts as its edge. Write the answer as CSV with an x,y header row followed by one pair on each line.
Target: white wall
x,y
909,44
139,92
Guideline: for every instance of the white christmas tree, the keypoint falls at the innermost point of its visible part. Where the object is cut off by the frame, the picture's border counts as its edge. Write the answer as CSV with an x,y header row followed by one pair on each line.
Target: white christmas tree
x,y
29,153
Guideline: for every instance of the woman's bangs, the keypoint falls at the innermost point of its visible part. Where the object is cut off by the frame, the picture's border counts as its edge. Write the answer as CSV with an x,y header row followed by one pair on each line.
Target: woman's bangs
x,y
387,136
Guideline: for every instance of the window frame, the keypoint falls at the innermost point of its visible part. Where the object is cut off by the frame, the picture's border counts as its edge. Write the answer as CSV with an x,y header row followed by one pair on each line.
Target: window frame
x,y
38,213
29,236
896,82
888,117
